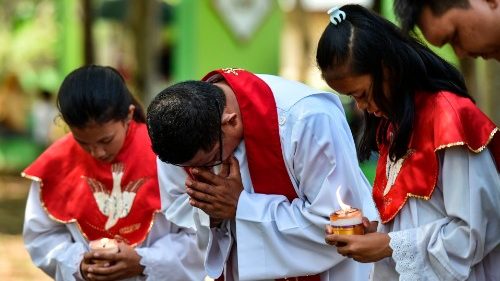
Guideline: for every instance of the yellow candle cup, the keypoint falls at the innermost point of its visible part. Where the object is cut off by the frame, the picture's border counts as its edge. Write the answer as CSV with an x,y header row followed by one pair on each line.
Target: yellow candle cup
x,y
347,222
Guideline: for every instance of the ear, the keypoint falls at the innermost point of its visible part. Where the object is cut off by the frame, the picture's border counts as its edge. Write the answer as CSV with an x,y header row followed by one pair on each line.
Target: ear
x,y
229,119
130,115
493,4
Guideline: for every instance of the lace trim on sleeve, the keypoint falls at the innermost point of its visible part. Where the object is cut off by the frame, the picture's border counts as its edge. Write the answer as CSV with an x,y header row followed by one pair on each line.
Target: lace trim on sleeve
x,y
405,254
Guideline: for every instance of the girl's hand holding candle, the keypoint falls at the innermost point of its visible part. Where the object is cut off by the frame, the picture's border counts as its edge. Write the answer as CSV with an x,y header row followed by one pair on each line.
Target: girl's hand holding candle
x,y
347,221
103,245
347,232
111,259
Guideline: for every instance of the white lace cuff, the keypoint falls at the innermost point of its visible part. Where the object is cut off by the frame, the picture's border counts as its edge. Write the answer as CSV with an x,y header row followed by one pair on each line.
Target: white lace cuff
x,y
405,254
149,264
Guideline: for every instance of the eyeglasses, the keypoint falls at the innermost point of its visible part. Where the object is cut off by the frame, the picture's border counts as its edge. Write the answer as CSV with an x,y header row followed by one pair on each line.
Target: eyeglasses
x,y
220,160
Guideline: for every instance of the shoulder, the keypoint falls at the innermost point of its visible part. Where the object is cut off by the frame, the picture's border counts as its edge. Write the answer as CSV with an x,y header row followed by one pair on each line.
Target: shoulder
x,y
64,150
63,147
445,103
319,105
446,107
289,93
318,116
142,131
455,120
458,104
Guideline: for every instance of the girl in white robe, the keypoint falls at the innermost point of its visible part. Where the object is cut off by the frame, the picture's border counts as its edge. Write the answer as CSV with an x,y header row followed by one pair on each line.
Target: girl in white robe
x,y
100,181
437,186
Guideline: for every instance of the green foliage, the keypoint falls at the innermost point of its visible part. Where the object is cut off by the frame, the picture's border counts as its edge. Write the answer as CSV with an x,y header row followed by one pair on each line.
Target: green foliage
x,y
16,153
369,167
28,36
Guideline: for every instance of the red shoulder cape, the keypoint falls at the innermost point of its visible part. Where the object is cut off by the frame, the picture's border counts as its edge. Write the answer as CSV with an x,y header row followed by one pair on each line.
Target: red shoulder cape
x,y
73,182
442,120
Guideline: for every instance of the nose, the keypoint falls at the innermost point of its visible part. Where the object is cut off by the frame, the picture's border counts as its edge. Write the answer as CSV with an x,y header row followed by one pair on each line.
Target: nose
x,y
97,151
361,105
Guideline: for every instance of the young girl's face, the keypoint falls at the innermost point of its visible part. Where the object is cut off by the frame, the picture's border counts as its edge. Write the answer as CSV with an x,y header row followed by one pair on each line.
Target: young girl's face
x,y
359,87
102,141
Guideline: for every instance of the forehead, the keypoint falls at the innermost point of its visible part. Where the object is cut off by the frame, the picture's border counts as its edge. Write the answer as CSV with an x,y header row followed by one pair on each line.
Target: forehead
x,y
335,73
95,131
203,158
435,28
344,83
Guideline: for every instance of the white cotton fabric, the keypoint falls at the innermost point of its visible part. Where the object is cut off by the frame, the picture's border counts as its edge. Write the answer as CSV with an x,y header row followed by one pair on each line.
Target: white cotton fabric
x,y
456,234
169,252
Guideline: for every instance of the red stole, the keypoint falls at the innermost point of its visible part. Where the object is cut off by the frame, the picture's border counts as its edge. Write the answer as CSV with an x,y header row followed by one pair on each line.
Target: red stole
x,y
261,134
442,120
71,182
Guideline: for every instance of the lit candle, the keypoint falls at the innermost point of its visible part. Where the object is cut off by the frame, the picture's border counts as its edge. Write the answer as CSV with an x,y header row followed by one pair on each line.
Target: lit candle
x,y
348,220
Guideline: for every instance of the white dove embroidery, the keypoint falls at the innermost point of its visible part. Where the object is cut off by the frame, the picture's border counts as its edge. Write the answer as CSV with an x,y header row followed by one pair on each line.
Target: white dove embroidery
x,y
117,204
392,170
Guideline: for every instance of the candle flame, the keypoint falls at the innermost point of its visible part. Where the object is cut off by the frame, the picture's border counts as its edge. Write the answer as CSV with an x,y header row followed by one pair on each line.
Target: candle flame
x,y
344,206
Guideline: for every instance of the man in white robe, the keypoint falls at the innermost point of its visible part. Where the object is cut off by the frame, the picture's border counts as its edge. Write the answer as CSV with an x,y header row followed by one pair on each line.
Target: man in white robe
x,y
252,235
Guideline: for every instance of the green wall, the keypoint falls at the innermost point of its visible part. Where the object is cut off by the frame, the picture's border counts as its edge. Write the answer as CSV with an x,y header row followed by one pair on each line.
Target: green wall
x,y
70,40
203,42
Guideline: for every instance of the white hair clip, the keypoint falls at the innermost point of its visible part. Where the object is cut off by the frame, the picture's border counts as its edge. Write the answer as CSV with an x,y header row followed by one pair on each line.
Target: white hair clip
x,y
336,15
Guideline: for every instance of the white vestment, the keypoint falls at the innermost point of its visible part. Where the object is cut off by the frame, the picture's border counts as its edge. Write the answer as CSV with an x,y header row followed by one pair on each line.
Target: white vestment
x,y
455,235
169,252
270,236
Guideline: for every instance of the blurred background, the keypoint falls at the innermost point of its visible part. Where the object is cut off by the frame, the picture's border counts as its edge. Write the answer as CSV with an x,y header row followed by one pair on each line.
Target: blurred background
x,y
153,43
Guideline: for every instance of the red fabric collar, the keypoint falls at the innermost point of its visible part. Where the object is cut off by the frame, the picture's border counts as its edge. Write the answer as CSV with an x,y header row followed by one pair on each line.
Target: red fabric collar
x,y
72,182
261,134
442,120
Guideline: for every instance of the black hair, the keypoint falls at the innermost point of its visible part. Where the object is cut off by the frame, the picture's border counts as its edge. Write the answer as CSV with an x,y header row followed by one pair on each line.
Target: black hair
x,y
98,94
183,118
408,11
365,43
